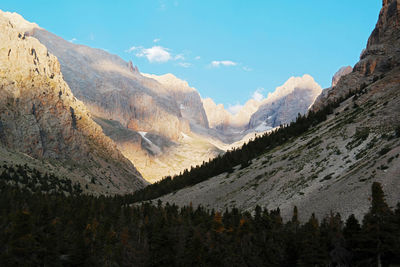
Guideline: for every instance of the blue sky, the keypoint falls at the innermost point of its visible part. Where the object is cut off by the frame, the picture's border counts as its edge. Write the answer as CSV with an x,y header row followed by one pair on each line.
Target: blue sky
x,y
225,49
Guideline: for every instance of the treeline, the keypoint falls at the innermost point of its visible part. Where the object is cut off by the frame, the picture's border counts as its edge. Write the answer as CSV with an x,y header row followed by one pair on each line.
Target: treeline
x,y
240,156
39,229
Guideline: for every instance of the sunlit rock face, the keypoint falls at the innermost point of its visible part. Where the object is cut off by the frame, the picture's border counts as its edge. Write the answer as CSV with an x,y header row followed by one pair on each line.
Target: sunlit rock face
x,y
187,98
40,116
283,106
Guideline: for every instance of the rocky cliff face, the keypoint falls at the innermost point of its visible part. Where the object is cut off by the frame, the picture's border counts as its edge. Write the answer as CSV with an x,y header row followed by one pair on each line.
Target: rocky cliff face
x,y
40,116
218,116
340,73
381,55
224,121
187,98
284,105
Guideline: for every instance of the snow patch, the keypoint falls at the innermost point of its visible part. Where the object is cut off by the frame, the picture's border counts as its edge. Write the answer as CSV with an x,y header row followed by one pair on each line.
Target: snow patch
x,y
185,136
144,137
263,127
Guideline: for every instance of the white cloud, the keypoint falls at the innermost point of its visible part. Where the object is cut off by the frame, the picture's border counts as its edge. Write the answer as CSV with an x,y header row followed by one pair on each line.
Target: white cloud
x,y
257,95
197,58
73,40
133,48
184,64
155,54
245,68
234,109
179,57
227,63
156,40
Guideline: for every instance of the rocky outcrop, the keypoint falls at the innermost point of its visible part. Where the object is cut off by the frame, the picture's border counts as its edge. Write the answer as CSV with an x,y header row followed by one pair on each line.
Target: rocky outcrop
x,y
40,116
381,55
340,73
218,117
285,103
224,121
187,98
132,68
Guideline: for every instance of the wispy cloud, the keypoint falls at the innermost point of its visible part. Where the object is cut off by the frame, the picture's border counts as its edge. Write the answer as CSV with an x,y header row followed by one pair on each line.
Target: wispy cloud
x,y
164,4
73,40
257,95
197,58
184,64
246,68
179,57
156,40
227,63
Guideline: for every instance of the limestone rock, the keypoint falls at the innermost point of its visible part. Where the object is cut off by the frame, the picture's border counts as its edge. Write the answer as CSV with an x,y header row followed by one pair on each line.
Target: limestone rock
x,y
40,116
218,117
187,98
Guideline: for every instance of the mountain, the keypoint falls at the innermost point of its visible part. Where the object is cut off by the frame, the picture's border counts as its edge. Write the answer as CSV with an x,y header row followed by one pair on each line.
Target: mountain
x,y
331,166
218,116
224,121
112,90
282,106
187,98
147,116
41,119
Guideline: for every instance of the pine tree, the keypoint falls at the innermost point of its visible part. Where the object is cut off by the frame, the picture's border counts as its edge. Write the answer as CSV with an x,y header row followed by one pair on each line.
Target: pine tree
x,y
377,230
